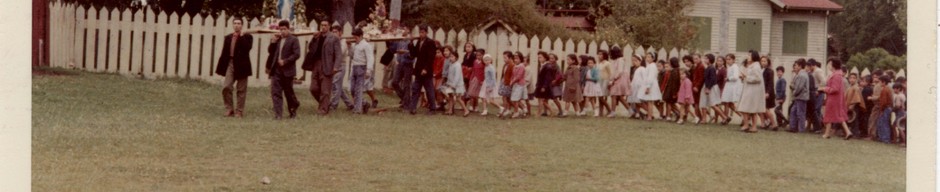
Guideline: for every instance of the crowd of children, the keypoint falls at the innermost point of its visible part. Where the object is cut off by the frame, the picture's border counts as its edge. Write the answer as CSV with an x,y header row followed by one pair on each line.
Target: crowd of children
x,y
705,88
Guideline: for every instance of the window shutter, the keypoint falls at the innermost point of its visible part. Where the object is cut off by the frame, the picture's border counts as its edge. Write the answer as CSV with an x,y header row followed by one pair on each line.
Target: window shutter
x,y
749,35
795,37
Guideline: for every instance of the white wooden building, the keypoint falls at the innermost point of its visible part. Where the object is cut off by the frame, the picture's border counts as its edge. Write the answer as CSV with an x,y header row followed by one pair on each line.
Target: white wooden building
x,y
784,29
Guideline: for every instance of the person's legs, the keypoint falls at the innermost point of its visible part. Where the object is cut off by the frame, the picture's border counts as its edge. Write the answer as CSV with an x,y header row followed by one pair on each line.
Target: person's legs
x,y
241,89
356,86
326,88
227,90
429,91
873,121
288,85
338,92
277,94
884,126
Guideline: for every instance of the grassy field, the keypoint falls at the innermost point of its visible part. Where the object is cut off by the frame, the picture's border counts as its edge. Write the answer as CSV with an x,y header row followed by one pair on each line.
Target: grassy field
x,y
95,132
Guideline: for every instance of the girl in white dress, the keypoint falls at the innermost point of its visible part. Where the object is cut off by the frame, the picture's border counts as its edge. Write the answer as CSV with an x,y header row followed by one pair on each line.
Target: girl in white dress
x,y
636,86
649,94
732,92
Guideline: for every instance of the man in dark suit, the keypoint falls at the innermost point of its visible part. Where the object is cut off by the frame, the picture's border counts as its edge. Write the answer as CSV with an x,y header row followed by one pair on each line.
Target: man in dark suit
x,y
284,51
423,50
235,65
323,60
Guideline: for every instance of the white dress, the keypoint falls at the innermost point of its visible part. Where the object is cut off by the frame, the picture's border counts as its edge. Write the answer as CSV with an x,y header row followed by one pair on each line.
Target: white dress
x,y
732,92
637,84
651,82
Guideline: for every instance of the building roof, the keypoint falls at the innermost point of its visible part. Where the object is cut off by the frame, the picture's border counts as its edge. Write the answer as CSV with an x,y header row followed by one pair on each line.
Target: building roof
x,y
572,22
822,5
497,22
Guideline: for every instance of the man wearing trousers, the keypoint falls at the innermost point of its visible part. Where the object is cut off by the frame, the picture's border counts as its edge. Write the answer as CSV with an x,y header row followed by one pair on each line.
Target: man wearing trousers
x,y
801,93
338,92
284,51
323,59
235,65
363,62
423,50
402,76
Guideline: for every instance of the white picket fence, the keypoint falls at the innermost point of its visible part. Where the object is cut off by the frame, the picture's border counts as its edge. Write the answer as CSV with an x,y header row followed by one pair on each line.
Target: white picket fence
x,y
156,45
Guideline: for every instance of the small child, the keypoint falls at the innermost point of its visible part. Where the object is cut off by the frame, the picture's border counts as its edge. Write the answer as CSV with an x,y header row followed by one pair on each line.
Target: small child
x,y
900,111
519,92
592,89
453,86
781,96
853,98
488,91
685,98
573,93
866,85
884,104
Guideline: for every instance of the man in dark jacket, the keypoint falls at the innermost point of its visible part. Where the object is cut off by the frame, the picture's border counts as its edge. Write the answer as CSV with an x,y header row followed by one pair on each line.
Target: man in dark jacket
x,y
423,50
323,59
235,65
284,51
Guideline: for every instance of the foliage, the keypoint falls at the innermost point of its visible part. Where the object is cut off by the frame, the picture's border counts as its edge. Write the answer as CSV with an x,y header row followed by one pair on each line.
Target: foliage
x,y
659,23
866,24
463,14
877,58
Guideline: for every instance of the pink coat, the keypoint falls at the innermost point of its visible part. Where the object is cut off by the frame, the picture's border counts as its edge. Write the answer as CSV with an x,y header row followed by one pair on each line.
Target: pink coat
x,y
620,78
685,92
835,110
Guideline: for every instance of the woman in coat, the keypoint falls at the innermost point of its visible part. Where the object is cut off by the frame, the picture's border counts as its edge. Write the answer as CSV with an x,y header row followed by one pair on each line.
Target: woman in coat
x,y
752,94
835,111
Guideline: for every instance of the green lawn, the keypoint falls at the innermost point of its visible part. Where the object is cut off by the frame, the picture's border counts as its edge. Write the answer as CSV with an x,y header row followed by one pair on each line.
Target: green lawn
x,y
96,132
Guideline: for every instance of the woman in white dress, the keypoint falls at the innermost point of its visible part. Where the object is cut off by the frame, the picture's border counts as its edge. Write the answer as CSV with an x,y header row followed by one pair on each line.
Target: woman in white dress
x,y
732,92
649,94
752,96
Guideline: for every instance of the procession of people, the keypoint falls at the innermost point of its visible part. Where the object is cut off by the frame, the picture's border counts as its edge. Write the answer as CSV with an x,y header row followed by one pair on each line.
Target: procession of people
x,y
699,88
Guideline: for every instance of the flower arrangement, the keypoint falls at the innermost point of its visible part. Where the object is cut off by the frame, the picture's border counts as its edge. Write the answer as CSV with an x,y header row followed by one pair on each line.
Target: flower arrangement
x,y
378,25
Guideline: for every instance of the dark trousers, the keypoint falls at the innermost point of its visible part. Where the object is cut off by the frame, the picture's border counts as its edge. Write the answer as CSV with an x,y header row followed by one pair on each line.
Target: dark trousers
x,y
798,114
778,111
320,87
282,87
428,84
402,83
813,122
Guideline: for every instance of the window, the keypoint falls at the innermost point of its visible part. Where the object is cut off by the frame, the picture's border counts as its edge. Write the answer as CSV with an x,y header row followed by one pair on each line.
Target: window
x,y
749,35
795,35
703,38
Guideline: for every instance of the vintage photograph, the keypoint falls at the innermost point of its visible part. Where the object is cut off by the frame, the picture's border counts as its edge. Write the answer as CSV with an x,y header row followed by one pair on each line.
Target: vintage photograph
x,y
469,95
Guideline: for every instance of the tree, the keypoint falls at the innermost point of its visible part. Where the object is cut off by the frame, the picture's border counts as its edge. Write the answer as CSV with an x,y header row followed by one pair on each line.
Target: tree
x,y
877,58
464,14
867,24
659,23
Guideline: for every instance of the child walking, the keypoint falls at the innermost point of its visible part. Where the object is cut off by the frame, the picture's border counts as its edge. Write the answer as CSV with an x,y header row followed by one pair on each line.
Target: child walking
x,y
488,89
572,90
685,97
592,88
453,86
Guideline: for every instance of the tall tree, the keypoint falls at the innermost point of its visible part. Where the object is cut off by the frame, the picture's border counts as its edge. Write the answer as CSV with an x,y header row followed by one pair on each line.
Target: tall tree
x,y
659,23
867,24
